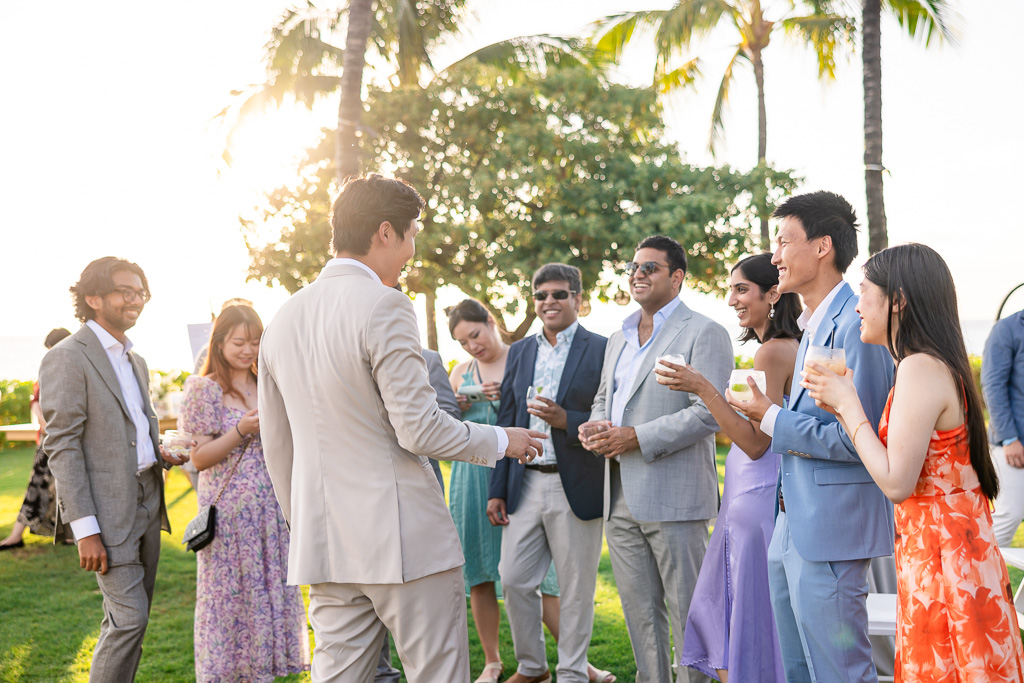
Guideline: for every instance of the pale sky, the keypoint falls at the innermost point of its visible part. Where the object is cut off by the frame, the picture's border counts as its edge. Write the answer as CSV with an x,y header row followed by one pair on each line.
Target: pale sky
x,y
108,147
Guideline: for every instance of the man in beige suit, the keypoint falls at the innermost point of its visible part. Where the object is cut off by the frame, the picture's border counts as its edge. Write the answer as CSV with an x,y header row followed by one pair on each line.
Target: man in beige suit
x,y
102,441
348,418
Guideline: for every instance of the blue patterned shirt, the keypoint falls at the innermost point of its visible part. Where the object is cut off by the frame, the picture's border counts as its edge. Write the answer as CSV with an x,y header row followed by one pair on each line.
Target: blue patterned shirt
x,y
547,373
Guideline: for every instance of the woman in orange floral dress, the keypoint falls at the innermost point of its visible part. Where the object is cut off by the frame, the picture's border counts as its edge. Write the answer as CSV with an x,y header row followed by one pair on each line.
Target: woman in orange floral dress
x,y
956,620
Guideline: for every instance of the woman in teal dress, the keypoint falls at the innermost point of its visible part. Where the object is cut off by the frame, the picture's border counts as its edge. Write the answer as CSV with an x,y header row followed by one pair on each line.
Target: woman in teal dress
x,y
480,378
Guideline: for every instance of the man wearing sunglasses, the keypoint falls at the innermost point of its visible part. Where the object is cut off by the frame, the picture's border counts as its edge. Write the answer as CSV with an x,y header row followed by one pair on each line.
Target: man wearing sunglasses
x,y
551,508
102,439
659,450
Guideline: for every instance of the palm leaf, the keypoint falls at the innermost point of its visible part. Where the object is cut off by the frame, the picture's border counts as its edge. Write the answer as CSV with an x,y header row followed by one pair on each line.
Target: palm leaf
x,y
614,32
824,33
717,127
689,19
926,19
539,53
680,77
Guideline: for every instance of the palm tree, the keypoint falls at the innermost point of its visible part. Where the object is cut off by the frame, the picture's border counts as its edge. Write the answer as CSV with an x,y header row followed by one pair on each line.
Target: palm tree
x,y
815,21
350,105
303,63
925,18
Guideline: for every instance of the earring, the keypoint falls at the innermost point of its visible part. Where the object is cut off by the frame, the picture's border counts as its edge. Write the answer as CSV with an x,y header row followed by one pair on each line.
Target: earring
x,y
771,311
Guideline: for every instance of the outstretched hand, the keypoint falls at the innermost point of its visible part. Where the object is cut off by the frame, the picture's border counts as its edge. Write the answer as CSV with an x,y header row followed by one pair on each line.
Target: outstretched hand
x,y
680,377
524,444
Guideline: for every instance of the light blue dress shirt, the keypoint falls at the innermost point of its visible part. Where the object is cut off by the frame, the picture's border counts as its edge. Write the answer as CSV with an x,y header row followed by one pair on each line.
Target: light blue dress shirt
x,y
632,356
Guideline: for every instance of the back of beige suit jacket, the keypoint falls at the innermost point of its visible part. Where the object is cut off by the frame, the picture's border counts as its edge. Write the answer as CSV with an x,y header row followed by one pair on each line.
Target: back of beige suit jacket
x,y
347,415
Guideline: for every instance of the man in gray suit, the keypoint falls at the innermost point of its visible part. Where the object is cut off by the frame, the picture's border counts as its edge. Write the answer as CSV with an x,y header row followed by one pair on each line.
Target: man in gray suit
x,y
661,484
102,439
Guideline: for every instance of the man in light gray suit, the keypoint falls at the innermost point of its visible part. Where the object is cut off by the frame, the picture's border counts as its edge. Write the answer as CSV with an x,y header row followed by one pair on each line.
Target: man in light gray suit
x,y
661,484
102,441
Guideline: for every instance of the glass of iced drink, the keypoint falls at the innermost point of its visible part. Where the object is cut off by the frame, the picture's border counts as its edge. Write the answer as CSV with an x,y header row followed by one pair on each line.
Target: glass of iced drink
x,y
178,444
833,359
739,388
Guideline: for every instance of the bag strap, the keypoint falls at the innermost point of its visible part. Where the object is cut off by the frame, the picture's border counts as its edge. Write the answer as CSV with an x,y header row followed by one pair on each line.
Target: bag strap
x,y
245,444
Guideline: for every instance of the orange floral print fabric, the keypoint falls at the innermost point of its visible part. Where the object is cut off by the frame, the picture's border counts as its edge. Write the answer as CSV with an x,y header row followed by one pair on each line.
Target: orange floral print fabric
x,y
954,612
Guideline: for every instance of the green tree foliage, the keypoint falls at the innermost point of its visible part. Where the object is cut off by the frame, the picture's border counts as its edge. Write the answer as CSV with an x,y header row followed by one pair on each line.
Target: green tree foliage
x,y
15,397
521,171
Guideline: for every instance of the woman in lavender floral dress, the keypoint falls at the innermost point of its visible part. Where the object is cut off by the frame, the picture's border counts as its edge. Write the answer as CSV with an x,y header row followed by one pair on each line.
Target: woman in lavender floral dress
x,y
249,624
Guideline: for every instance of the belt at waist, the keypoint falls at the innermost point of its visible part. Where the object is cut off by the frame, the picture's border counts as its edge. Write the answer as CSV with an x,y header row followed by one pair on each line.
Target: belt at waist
x,y
546,469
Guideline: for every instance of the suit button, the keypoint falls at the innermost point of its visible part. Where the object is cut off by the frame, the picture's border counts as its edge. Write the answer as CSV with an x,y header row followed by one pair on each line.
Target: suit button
x,y
133,443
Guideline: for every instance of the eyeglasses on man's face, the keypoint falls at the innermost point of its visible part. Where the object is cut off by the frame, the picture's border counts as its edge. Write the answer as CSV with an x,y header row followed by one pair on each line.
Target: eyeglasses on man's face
x,y
130,294
646,268
557,294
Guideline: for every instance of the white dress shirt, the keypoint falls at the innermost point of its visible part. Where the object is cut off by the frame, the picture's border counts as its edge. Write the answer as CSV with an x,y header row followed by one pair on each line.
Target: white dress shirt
x,y
632,356
117,353
809,321
344,261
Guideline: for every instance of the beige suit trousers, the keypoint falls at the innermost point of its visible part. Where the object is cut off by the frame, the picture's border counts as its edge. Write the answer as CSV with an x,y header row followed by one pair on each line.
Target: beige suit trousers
x,y
426,617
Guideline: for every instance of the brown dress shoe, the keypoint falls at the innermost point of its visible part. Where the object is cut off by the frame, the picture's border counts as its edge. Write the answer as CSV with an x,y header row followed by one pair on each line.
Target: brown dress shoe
x,y
520,678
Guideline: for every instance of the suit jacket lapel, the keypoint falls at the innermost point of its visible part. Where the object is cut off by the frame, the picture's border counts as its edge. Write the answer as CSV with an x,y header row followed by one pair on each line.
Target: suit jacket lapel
x,y
572,361
795,390
666,334
616,344
528,363
97,355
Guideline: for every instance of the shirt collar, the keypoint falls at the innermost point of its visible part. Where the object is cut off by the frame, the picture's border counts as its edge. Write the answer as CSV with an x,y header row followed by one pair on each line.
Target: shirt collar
x,y
107,340
344,261
810,322
632,320
564,337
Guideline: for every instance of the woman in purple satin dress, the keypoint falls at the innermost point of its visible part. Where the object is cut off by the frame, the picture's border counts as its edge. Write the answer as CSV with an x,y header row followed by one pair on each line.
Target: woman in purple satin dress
x,y
730,629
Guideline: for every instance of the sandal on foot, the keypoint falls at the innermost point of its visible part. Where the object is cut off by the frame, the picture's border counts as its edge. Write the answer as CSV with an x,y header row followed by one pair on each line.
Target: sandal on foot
x,y
491,673
601,676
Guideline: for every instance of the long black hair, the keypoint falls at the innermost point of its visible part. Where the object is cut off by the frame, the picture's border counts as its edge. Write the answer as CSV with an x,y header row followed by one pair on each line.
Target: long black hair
x,y
783,323
916,278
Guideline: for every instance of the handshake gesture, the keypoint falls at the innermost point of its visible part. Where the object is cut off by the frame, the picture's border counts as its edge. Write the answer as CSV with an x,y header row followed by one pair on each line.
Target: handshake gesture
x,y
523,444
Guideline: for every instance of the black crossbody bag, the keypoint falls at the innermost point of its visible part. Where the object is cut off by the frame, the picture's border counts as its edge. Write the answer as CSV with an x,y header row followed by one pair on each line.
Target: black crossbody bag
x,y
200,530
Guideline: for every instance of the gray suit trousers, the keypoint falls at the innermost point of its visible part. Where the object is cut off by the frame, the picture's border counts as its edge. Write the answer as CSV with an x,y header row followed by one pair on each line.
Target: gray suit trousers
x,y
127,588
654,563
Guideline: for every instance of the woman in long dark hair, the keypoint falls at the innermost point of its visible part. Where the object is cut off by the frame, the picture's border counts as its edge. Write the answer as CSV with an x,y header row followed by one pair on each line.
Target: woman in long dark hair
x,y
730,629
931,458
250,625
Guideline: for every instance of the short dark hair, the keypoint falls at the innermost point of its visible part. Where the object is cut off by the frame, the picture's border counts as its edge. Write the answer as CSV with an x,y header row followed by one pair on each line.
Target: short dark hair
x,y
56,335
783,323
559,272
467,310
825,213
97,280
674,252
364,203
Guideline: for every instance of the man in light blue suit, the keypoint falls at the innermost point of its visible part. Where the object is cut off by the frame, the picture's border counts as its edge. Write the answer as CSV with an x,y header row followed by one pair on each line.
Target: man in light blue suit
x,y
831,517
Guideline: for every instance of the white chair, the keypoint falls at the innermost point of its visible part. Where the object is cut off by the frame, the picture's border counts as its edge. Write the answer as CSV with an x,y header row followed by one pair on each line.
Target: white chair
x,y
1015,558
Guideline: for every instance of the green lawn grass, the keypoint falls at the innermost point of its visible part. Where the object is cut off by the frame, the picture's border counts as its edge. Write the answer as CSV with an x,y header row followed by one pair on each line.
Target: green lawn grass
x,y
51,609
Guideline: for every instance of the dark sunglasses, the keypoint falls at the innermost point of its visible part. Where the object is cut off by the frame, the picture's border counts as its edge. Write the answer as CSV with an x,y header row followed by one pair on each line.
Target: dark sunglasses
x,y
645,268
557,295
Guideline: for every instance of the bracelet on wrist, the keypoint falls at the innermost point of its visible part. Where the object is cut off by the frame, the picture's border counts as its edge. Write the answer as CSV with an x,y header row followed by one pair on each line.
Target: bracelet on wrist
x,y
240,434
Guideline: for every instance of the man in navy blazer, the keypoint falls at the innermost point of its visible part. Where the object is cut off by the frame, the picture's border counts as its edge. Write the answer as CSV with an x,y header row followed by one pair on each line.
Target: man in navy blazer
x,y
831,518
551,508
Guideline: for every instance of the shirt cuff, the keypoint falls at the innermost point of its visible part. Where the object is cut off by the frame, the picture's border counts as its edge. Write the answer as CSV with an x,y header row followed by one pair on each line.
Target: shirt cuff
x,y
768,421
84,527
502,441
1007,442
